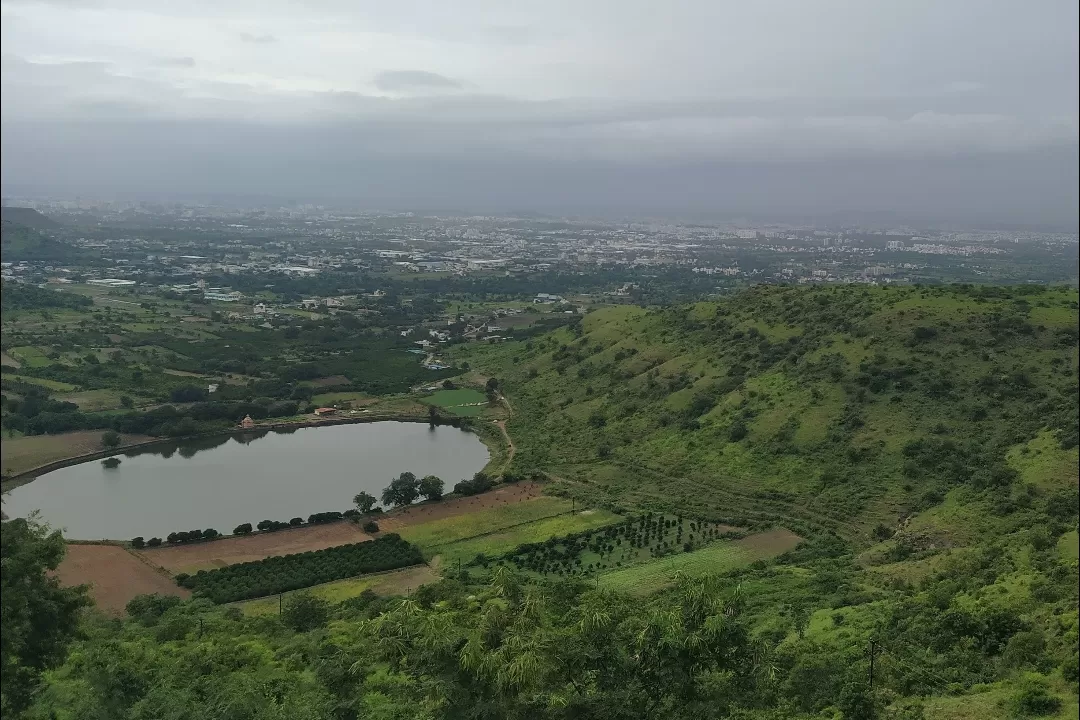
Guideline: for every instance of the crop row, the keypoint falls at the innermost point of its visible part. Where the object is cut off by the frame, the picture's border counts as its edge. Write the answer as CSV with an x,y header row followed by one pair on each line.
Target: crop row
x,y
293,572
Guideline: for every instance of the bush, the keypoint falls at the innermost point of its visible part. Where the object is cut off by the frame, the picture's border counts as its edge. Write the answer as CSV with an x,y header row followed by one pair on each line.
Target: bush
x,y
1033,697
371,526
148,608
110,438
324,517
153,542
304,611
296,522
138,543
479,483
244,529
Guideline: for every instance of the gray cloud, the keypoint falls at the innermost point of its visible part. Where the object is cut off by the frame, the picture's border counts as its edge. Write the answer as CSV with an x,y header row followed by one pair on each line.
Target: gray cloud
x,y
517,96
408,80
182,62
265,39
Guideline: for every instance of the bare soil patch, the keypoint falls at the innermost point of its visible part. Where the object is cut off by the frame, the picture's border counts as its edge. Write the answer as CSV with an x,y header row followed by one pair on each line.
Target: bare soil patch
x,y
426,512
8,361
238,549
114,575
770,543
18,455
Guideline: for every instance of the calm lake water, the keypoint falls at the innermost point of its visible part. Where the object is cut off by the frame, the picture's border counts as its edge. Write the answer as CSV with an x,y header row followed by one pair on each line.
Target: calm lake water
x,y
221,482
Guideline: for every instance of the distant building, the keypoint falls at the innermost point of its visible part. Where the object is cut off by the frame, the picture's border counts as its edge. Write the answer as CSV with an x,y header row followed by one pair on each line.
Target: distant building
x,y
212,388
247,422
111,282
259,309
325,411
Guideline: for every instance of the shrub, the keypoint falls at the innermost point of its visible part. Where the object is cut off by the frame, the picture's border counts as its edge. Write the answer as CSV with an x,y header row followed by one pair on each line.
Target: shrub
x,y
138,543
153,542
110,438
304,611
371,526
1033,698
478,484
244,529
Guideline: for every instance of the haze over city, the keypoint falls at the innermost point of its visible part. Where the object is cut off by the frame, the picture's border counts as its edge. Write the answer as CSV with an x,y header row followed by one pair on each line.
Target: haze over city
x,y
956,112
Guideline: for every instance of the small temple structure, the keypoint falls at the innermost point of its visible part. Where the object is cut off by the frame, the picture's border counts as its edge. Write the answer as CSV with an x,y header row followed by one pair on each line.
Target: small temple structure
x,y
247,422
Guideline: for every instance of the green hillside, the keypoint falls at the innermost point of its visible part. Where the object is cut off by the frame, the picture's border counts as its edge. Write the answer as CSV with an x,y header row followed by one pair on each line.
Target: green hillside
x,y
27,217
923,440
846,409
19,242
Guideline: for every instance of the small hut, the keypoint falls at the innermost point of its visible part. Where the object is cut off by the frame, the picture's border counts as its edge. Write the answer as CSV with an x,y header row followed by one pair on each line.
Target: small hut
x,y
247,423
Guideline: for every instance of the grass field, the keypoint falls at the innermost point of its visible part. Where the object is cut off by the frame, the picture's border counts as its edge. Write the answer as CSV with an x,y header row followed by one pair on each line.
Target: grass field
x,y
356,399
504,541
30,356
43,382
718,557
93,400
28,452
396,582
483,520
451,398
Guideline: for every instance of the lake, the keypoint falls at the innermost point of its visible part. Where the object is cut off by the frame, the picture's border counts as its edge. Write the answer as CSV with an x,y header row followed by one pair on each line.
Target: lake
x,y
223,481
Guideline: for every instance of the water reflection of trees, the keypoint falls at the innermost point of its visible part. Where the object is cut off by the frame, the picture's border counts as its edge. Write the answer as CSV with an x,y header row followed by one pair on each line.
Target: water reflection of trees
x,y
189,447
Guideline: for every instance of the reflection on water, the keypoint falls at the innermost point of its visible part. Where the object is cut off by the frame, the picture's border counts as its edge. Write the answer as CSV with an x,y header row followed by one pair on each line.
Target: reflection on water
x,y
222,481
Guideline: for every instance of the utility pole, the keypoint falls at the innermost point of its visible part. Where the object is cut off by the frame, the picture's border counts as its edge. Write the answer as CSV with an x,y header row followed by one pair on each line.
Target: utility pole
x,y
872,643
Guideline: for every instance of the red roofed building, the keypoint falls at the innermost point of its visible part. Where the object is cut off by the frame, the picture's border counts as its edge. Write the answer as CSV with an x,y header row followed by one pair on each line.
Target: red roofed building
x,y
325,411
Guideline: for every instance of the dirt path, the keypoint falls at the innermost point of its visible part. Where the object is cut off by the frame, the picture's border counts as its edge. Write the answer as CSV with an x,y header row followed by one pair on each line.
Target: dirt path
x,y
509,443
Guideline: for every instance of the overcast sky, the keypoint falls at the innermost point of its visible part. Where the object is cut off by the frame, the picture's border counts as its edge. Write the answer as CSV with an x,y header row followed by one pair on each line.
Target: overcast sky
x,y
942,108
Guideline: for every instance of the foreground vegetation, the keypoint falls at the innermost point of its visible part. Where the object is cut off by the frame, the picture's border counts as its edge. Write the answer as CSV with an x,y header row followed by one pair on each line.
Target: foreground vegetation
x,y
921,441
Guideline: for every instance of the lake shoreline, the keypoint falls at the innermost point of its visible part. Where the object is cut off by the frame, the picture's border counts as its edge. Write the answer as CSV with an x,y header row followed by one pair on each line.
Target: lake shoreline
x,y
491,441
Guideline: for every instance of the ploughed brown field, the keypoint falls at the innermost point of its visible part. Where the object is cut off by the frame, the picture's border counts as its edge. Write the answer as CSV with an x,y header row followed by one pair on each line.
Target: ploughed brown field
x,y
426,512
114,575
257,546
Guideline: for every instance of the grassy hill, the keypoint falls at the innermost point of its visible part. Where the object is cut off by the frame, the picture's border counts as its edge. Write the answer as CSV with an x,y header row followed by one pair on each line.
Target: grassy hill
x,y
19,242
923,439
27,217
842,408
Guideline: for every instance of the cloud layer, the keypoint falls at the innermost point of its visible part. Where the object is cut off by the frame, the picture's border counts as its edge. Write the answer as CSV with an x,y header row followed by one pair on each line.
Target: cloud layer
x,y
594,86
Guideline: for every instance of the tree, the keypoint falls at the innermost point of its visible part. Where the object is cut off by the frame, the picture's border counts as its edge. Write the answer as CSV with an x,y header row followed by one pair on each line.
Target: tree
x,y
371,527
126,402
433,414
431,487
38,618
138,542
492,385
364,501
244,529
401,491
110,438
305,611
153,542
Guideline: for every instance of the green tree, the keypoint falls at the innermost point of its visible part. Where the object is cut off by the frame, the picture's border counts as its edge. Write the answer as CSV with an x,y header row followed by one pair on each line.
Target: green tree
x,y
364,501
110,438
431,487
38,618
304,611
403,490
